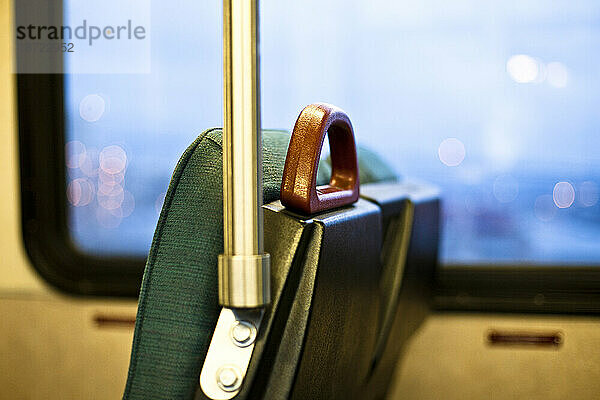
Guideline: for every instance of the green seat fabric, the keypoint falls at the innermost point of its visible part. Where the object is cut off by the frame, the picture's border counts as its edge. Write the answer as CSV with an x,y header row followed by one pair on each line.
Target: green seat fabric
x,y
371,168
178,306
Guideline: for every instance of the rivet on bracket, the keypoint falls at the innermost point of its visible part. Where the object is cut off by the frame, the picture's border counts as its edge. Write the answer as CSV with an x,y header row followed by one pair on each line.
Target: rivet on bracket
x,y
228,378
243,333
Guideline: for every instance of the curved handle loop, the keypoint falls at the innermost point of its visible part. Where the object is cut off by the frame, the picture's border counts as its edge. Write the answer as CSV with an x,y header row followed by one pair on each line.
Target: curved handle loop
x,y
298,187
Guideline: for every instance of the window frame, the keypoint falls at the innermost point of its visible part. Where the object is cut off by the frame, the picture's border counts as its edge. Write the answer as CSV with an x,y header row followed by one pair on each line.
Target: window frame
x,y
523,288
44,214
44,206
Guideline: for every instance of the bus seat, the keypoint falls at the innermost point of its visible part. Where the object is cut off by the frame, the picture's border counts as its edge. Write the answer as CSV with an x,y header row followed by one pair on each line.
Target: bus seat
x,y
178,306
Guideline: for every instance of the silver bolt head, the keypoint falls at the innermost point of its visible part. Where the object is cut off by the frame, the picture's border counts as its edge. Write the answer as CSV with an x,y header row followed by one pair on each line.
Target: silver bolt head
x,y
243,333
228,378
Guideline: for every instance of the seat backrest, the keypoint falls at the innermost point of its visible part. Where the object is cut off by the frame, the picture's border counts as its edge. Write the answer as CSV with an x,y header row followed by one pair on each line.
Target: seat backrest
x,y
178,306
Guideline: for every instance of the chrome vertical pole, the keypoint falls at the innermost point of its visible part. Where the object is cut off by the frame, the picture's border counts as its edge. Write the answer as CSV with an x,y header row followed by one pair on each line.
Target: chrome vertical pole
x,y
244,270
244,267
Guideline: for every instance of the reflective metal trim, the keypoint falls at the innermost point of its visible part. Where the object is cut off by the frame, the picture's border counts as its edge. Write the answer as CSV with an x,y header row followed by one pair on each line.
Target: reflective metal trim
x,y
227,359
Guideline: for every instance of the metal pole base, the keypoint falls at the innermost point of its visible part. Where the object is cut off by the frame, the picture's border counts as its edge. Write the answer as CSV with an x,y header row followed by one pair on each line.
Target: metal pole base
x,y
244,281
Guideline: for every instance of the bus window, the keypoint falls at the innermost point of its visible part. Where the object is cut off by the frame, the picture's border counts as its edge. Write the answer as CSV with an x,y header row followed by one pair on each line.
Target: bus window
x,y
495,102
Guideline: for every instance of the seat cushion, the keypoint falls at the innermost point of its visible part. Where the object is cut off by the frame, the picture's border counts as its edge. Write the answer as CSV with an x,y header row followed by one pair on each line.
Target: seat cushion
x,y
178,306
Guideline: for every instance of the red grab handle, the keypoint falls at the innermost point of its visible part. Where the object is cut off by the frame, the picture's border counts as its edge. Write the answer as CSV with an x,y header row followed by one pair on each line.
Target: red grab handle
x,y
298,187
